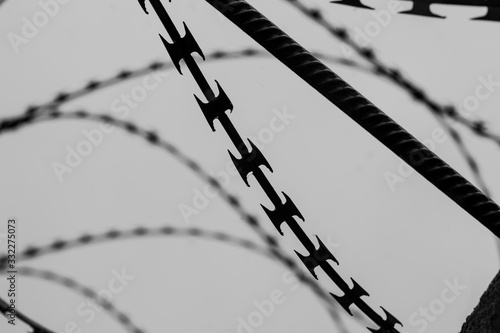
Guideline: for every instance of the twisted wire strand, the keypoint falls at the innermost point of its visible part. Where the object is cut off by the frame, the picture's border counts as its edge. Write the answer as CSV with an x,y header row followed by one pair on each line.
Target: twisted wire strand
x,y
154,139
362,111
71,284
477,127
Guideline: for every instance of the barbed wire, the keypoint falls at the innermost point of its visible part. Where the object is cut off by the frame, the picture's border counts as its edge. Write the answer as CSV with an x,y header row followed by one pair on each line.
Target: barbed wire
x,y
62,245
87,239
154,139
88,292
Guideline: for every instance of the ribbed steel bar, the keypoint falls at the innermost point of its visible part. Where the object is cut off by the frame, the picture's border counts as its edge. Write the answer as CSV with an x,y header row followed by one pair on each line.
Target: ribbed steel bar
x,y
362,111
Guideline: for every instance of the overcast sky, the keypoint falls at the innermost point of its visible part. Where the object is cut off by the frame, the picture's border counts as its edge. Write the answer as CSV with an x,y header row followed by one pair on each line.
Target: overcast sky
x,y
405,243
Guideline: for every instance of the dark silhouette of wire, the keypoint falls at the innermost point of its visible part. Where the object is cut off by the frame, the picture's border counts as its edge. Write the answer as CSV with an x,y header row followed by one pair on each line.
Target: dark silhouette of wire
x,y
362,111
154,139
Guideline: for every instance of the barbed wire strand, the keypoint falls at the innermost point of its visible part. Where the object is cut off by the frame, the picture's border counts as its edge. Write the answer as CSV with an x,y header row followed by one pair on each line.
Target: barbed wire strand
x,y
93,86
87,239
71,284
154,139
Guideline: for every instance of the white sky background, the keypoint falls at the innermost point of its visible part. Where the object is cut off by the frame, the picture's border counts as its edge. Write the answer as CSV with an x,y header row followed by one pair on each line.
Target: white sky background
x,y
400,246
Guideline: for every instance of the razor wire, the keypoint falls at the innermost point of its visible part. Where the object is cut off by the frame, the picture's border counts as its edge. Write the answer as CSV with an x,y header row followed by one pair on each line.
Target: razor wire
x,y
423,7
252,160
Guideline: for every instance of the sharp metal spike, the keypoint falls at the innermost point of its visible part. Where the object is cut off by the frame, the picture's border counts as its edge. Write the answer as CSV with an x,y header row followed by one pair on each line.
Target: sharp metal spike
x,y
347,300
215,108
282,213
